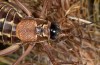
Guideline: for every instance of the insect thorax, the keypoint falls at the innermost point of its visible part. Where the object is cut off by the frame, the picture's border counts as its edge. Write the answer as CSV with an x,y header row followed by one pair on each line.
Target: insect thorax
x,y
33,30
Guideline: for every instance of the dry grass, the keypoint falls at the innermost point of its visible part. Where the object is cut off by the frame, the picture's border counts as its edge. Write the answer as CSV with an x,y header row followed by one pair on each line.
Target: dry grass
x,y
83,48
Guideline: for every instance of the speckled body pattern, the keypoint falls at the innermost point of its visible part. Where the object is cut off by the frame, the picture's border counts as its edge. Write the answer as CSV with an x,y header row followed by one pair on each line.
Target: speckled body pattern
x,y
25,30
9,18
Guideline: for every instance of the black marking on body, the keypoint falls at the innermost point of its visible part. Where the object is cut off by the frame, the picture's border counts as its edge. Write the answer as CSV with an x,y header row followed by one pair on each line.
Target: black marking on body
x,y
6,39
17,19
1,26
9,18
15,39
2,13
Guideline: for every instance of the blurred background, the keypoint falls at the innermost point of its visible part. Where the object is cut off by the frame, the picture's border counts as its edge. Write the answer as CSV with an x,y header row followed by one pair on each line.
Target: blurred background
x,y
85,52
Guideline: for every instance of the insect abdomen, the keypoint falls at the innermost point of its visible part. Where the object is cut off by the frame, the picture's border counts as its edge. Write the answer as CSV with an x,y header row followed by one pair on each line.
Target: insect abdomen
x,y
9,18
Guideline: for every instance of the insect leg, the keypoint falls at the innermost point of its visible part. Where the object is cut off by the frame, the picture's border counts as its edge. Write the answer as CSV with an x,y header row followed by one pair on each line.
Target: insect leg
x,y
10,49
24,54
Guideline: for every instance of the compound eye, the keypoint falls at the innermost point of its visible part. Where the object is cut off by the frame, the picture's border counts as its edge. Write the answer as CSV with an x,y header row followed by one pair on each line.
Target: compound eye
x,y
53,31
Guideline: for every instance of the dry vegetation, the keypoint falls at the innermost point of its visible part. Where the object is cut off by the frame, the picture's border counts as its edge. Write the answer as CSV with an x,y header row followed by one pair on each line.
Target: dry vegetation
x,y
84,49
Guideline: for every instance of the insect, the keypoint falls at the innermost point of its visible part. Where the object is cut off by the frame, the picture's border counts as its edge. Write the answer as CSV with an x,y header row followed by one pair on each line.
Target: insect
x,y
16,30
